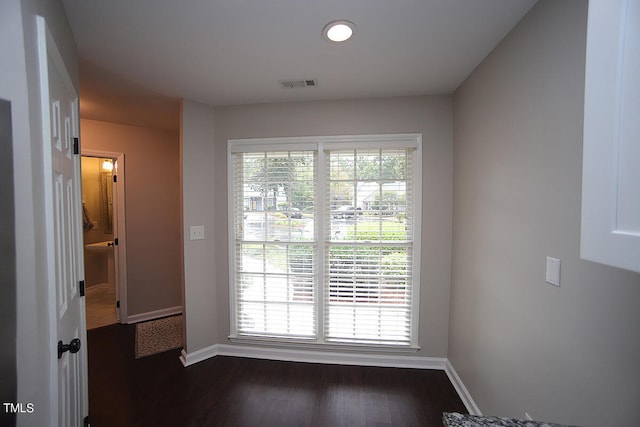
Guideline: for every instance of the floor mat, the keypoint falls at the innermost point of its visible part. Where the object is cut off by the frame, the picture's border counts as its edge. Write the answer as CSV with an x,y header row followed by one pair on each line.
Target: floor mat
x,y
156,336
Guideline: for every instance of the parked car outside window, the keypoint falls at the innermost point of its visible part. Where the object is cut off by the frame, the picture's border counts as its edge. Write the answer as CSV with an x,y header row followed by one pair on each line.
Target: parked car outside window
x,y
294,213
347,211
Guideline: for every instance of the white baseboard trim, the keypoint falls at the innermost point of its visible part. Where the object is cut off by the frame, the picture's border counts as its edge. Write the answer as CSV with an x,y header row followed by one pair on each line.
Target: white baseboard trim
x,y
332,357
462,391
189,359
310,356
150,315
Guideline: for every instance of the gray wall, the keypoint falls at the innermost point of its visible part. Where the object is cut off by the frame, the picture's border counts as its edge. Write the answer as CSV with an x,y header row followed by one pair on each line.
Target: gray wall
x,y
430,115
152,203
199,196
567,354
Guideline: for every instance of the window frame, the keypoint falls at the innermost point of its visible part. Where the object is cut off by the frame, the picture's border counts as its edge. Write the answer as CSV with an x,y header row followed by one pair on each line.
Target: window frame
x,y
321,145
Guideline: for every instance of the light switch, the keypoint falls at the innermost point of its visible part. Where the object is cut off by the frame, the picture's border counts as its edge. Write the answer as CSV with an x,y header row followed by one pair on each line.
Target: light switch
x,y
196,232
553,271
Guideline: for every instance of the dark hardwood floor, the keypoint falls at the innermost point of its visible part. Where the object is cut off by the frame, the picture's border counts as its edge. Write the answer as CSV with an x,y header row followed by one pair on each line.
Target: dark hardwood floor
x,y
230,391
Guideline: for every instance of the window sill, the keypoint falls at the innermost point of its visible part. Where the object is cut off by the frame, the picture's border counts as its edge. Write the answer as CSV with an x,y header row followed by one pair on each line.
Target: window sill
x,y
321,346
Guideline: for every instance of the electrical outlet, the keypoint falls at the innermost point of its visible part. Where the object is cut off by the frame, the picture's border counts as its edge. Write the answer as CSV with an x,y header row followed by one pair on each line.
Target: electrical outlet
x,y
196,232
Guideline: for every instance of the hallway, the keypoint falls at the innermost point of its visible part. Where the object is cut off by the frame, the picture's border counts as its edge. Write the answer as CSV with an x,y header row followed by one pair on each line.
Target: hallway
x,y
101,310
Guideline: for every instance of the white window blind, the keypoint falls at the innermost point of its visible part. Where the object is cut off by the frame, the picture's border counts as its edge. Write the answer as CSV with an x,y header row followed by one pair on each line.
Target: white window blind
x,y
369,229
323,241
275,280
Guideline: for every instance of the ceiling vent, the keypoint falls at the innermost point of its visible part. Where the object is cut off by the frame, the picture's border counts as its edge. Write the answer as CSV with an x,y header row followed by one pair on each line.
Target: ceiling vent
x,y
293,84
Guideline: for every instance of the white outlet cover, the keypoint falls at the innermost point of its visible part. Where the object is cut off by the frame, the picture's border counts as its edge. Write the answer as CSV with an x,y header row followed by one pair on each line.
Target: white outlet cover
x,y
196,232
553,271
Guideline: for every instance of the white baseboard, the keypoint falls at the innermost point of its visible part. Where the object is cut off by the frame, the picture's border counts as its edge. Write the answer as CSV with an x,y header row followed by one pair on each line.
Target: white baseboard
x,y
332,357
188,359
310,356
150,315
464,394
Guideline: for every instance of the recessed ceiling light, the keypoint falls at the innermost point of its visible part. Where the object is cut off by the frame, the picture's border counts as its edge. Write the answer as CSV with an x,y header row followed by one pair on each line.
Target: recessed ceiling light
x,y
339,31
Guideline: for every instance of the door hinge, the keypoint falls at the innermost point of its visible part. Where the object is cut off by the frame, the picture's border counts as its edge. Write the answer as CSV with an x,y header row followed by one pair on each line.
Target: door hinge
x,y
115,178
86,421
76,145
117,304
115,241
81,285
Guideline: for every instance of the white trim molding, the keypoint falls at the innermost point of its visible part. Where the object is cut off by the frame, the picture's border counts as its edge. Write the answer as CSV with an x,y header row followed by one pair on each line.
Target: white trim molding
x,y
462,391
151,315
189,359
311,356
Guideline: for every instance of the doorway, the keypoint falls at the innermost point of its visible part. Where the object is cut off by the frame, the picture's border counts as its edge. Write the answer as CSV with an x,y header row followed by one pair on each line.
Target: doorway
x,y
103,237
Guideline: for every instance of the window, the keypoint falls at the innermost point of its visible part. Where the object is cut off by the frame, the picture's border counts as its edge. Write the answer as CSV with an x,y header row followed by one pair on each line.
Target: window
x,y
323,238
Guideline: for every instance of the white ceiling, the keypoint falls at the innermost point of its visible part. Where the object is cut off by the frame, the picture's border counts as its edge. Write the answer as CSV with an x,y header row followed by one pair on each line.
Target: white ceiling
x,y
139,57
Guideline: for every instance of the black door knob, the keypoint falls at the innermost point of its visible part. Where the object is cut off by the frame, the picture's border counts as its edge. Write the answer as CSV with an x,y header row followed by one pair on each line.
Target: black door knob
x,y
72,347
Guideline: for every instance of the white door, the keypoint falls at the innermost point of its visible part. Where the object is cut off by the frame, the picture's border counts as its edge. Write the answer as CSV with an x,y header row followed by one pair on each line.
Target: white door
x,y
120,264
116,234
63,231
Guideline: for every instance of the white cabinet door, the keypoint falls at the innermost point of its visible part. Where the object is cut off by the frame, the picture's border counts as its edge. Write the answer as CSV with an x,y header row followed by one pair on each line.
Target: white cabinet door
x,y
611,163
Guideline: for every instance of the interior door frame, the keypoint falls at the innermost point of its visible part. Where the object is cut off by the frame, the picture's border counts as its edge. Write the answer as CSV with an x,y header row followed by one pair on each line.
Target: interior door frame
x,y
120,253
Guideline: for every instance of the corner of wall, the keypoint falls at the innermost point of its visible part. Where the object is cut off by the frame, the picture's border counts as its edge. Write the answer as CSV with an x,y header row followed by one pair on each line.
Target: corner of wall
x,y
199,268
